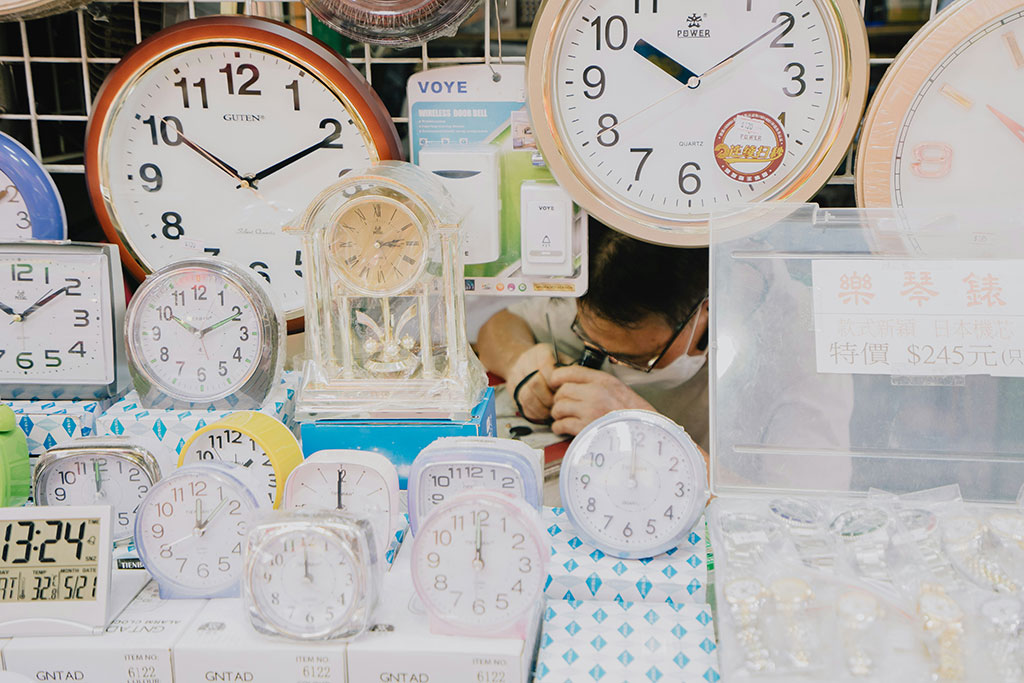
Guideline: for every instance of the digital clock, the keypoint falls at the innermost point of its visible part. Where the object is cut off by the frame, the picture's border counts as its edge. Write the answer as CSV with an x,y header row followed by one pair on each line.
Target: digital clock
x,y
54,570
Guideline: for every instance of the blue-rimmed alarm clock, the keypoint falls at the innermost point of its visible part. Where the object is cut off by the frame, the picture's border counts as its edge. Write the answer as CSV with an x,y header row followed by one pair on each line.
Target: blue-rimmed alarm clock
x,y
30,206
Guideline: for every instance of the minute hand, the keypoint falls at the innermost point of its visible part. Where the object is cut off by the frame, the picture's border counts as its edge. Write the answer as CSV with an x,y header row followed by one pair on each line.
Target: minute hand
x,y
292,159
743,49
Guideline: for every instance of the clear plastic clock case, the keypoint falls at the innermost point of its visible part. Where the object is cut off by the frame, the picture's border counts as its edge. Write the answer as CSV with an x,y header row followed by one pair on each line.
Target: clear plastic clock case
x,y
311,574
386,337
393,22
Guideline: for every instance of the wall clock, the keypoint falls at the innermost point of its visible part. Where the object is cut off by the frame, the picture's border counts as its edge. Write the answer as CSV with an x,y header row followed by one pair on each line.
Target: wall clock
x,y
393,22
386,332
30,205
211,135
950,99
653,114
11,10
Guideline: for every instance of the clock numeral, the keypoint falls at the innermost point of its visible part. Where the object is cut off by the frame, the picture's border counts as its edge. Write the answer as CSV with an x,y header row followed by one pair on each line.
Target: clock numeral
x,y
261,269
591,505
172,228
78,348
243,333
81,317
627,530
294,87
646,152
298,262
651,529
790,22
201,374
212,251
52,358
165,354
24,360
599,83
932,160
685,184
21,272
613,41
179,297
680,489
165,313
150,173
607,128
637,3
10,193
237,355
57,528
519,540
241,69
24,222
596,459
222,368
69,290
669,514
199,292
442,537
178,129
782,118
675,465
329,140
200,85
799,78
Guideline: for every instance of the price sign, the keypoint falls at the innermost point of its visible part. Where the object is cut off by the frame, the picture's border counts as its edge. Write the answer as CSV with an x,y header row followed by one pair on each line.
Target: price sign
x,y
928,318
54,569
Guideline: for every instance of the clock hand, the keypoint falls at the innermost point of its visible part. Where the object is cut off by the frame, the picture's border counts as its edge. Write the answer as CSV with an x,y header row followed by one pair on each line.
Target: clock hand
x,y
666,63
227,168
255,178
341,478
631,482
305,564
9,311
1014,127
184,324
199,513
478,560
216,510
743,49
42,302
225,321
99,479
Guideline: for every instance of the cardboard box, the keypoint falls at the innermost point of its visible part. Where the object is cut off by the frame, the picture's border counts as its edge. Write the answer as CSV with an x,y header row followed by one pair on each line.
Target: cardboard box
x,y
164,432
578,571
399,440
222,645
627,641
136,647
51,423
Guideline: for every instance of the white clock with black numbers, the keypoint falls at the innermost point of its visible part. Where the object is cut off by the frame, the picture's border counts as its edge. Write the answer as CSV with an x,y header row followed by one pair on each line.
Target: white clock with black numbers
x,y
204,332
633,484
213,134
655,113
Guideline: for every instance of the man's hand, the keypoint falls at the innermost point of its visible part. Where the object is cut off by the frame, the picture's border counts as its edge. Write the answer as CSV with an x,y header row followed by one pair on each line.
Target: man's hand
x,y
536,396
582,395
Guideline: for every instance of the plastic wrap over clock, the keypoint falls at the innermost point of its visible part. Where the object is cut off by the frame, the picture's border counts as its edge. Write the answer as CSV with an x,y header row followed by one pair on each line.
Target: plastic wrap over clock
x,y
385,314
393,22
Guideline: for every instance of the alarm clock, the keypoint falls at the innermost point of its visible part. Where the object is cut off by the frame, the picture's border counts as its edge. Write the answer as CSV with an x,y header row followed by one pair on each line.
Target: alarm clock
x,y
64,309
97,471
204,333
14,462
30,205
191,528
479,564
355,482
633,484
257,442
185,154
452,464
393,22
311,575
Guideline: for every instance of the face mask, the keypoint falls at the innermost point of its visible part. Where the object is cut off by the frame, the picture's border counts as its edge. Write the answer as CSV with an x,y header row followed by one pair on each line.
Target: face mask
x,y
674,374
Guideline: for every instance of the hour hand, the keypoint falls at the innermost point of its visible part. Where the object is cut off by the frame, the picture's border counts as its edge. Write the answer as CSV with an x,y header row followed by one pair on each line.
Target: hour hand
x,y
42,302
184,324
203,152
1014,127
666,63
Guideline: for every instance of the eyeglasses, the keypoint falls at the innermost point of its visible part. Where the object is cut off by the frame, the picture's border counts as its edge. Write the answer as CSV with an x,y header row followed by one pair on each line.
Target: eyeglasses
x,y
631,362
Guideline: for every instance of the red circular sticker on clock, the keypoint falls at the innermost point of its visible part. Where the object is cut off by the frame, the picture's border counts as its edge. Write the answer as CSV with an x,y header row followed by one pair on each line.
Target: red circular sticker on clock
x,y
750,146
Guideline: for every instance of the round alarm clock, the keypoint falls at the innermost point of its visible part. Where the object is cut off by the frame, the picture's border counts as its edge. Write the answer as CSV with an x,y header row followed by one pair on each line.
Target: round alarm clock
x,y
633,484
653,115
311,575
202,332
946,104
355,482
97,471
393,22
479,563
453,464
257,442
14,463
190,529
213,134
30,205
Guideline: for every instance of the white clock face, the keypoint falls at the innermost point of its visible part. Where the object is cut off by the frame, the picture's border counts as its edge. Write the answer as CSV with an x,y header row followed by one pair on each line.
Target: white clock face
x,y
197,164
440,481
56,312
305,582
654,121
198,334
946,141
97,480
632,488
231,445
193,528
479,563
15,223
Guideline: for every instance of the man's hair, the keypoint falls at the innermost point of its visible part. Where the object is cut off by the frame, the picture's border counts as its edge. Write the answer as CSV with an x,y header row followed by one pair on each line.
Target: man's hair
x,y
632,280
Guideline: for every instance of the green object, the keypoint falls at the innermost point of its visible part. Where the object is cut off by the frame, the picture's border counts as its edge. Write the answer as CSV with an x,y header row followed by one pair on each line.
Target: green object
x,y
14,466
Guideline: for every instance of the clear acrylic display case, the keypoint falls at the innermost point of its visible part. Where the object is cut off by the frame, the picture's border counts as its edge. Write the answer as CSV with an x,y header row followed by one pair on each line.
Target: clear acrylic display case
x,y
385,314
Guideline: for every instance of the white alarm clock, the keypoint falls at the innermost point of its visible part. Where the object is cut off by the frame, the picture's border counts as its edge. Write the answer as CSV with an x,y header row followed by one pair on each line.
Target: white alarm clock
x,y
456,463
633,484
311,574
479,564
356,482
191,528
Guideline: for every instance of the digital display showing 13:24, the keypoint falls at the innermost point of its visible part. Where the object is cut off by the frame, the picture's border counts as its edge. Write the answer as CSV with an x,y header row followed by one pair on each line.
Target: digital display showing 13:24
x,y
48,560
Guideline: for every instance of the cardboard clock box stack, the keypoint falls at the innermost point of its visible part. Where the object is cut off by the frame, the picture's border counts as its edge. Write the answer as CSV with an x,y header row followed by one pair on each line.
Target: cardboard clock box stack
x,y
51,423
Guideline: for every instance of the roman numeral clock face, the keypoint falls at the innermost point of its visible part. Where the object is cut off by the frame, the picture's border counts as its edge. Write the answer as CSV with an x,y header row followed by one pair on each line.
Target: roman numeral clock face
x,y
664,112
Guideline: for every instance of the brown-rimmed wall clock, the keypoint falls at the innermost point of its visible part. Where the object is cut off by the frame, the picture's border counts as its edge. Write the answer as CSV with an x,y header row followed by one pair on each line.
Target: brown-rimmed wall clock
x,y
213,134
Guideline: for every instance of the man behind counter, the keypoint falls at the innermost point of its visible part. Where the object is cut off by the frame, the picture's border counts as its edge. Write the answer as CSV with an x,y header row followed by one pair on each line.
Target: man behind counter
x,y
646,309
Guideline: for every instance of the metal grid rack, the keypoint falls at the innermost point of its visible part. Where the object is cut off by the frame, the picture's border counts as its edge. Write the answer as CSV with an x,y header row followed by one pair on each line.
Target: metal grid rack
x,y
53,127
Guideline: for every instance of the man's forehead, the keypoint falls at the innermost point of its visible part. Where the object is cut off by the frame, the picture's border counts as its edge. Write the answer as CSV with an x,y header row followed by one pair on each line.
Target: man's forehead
x,y
646,337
